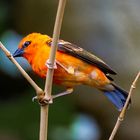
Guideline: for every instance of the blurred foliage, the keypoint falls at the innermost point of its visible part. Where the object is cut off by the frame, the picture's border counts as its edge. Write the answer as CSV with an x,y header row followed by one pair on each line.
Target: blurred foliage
x,y
110,29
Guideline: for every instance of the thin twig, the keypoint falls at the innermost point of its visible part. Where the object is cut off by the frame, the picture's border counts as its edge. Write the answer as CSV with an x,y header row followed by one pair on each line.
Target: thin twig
x,y
50,63
123,112
39,91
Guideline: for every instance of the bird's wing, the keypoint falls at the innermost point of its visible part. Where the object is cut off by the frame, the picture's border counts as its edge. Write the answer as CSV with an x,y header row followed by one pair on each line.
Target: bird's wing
x,y
84,55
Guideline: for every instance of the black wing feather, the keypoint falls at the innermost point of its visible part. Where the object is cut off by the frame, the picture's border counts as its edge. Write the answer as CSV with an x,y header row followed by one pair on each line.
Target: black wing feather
x,y
84,55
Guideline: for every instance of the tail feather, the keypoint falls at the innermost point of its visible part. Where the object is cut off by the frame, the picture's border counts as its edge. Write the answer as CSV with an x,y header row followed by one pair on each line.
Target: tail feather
x,y
118,96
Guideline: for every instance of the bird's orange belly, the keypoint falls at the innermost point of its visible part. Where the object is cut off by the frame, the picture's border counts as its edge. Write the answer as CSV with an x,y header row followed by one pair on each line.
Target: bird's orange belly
x,y
91,76
80,72
62,77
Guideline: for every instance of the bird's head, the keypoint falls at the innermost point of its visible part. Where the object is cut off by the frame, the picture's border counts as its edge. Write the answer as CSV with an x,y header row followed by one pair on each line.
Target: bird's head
x,y
30,45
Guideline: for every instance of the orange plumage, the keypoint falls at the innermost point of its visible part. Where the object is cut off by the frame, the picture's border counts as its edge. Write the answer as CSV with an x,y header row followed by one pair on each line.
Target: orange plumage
x,y
75,66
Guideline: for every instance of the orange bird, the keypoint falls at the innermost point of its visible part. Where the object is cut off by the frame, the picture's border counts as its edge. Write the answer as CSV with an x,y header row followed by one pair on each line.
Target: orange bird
x,y
75,66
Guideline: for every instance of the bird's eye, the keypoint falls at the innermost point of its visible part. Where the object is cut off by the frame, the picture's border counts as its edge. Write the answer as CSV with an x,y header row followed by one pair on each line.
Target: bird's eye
x,y
26,44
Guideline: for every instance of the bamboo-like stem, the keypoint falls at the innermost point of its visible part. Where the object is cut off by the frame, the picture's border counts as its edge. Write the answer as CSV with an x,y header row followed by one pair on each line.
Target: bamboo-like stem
x,y
39,91
51,63
123,112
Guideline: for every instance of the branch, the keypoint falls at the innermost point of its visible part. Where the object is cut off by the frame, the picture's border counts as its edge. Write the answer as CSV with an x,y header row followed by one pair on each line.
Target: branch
x,y
51,60
123,112
51,64
39,91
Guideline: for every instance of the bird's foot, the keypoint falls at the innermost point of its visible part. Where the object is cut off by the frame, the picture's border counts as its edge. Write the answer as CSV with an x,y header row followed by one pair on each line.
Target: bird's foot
x,y
49,100
50,65
43,101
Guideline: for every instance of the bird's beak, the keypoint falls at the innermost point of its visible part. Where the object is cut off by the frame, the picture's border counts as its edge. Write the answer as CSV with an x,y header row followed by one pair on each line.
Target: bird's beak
x,y
18,53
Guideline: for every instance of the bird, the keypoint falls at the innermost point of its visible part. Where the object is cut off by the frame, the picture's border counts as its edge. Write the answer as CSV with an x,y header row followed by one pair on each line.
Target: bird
x,y
73,66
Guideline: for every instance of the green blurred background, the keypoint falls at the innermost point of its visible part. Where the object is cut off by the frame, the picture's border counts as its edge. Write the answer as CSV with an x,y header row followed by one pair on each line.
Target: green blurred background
x,y
109,29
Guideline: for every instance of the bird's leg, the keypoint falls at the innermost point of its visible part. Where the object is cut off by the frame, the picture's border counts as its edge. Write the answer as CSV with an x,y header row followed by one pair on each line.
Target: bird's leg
x,y
44,101
50,100
68,91
70,69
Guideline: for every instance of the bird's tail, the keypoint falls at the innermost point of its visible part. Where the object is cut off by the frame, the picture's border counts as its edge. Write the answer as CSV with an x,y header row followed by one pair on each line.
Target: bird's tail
x,y
118,96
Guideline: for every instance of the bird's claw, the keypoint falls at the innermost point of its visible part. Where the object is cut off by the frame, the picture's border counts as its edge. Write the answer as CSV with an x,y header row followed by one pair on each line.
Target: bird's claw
x,y
50,65
43,101
46,101
34,98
